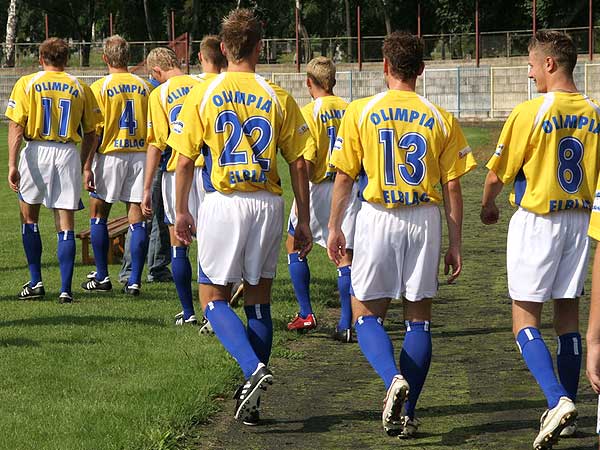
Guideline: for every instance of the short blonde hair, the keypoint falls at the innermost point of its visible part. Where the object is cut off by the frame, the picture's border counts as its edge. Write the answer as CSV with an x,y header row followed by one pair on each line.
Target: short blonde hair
x,y
116,50
210,47
321,70
163,57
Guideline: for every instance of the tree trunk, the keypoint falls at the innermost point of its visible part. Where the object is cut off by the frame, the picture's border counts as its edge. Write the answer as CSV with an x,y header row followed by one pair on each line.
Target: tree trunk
x,y
148,20
11,31
348,30
386,16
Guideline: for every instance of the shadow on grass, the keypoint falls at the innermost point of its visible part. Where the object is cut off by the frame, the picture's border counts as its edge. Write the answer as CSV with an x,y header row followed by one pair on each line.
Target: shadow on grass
x,y
18,342
81,320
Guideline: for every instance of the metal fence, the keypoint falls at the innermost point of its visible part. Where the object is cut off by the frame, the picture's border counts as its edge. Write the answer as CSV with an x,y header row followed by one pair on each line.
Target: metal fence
x,y
467,92
340,49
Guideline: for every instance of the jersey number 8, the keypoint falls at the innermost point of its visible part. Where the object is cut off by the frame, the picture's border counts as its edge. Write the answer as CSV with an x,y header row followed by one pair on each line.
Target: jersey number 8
x,y
570,171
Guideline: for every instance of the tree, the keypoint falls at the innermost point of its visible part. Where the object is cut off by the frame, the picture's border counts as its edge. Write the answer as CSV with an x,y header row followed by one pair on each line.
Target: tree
x,y
11,32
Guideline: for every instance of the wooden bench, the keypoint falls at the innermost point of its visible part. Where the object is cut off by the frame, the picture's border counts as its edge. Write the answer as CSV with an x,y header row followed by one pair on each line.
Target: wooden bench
x,y
117,229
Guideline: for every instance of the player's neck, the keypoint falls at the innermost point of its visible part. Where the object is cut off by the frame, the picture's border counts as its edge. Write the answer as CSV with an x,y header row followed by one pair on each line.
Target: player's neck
x,y
563,84
173,73
117,69
241,66
47,68
402,85
318,93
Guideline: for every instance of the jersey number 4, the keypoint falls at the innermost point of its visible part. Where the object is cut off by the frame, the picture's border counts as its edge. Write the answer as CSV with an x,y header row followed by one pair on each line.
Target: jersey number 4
x,y
63,123
570,171
230,155
127,120
413,170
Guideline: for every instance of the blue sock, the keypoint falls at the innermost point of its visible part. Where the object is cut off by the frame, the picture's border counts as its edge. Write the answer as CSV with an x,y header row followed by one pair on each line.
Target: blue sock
x,y
538,360
260,330
377,347
139,244
66,259
182,276
300,275
344,283
232,333
99,238
568,362
414,361
32,243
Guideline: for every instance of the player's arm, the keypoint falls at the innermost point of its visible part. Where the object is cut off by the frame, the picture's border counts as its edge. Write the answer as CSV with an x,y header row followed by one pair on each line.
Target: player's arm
x,y
453,207
184,224
15,139
299,179
342,188
593,331
491,189
89,144
153,155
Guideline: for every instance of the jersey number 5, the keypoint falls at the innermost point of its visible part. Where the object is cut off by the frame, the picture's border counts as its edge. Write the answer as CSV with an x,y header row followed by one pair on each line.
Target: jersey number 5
x,y
230,155
570,171
413,169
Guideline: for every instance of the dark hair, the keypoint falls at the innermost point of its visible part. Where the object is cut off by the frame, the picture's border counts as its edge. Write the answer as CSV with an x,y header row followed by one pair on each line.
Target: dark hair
x,y
241,31
558,45
210,47
54,52
404,53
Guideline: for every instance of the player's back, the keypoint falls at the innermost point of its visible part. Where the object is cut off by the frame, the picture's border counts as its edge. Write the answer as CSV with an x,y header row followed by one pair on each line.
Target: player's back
x,y
243,119
123,101
323,116
50,105
550,146
408,147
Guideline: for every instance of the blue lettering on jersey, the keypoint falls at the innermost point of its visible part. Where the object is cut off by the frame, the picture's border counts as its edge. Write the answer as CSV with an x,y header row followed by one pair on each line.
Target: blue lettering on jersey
x,y
571,121
56,86
241,176
178,93
332,114
129,143
404,198
559,205
402,115
127,89
242,98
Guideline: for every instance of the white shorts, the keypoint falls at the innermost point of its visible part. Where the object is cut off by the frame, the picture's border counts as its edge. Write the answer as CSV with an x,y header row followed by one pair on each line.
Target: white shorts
x,y
119,176
239,235
396,252
168,195
50,175
547,255
320,209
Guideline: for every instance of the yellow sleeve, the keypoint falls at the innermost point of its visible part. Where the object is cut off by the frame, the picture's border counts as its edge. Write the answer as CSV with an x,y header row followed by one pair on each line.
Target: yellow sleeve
x,y
347,152
187,135
510,152
95,88
17,109
293,132
310,149
158,123
91,111
456,158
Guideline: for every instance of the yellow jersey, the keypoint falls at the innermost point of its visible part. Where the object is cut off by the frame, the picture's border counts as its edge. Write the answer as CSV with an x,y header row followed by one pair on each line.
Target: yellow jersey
x,y
53,106
163,108
549,147
238,120
323,117
123,102
400,146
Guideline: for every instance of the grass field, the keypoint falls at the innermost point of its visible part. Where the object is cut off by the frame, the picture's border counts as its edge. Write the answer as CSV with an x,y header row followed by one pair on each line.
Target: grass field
x,y
110,372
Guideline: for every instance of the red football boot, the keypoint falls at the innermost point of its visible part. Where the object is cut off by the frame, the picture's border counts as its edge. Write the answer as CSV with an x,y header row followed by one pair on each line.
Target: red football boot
x,y
300,324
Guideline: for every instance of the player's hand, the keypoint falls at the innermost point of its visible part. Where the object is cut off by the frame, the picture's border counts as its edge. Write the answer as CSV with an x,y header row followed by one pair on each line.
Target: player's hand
x,y
452,260
489,214
88,180
185,228
336,246
146,205
302,239
14,179
593,363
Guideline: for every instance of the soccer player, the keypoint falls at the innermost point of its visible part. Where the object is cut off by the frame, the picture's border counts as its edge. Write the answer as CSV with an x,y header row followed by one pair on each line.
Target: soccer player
x,y
323,116
48,108
400,146
118,165
239,120
164,106
549,149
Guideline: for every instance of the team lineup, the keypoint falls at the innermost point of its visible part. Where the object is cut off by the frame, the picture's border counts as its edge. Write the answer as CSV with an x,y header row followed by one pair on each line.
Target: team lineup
x,y
370,179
